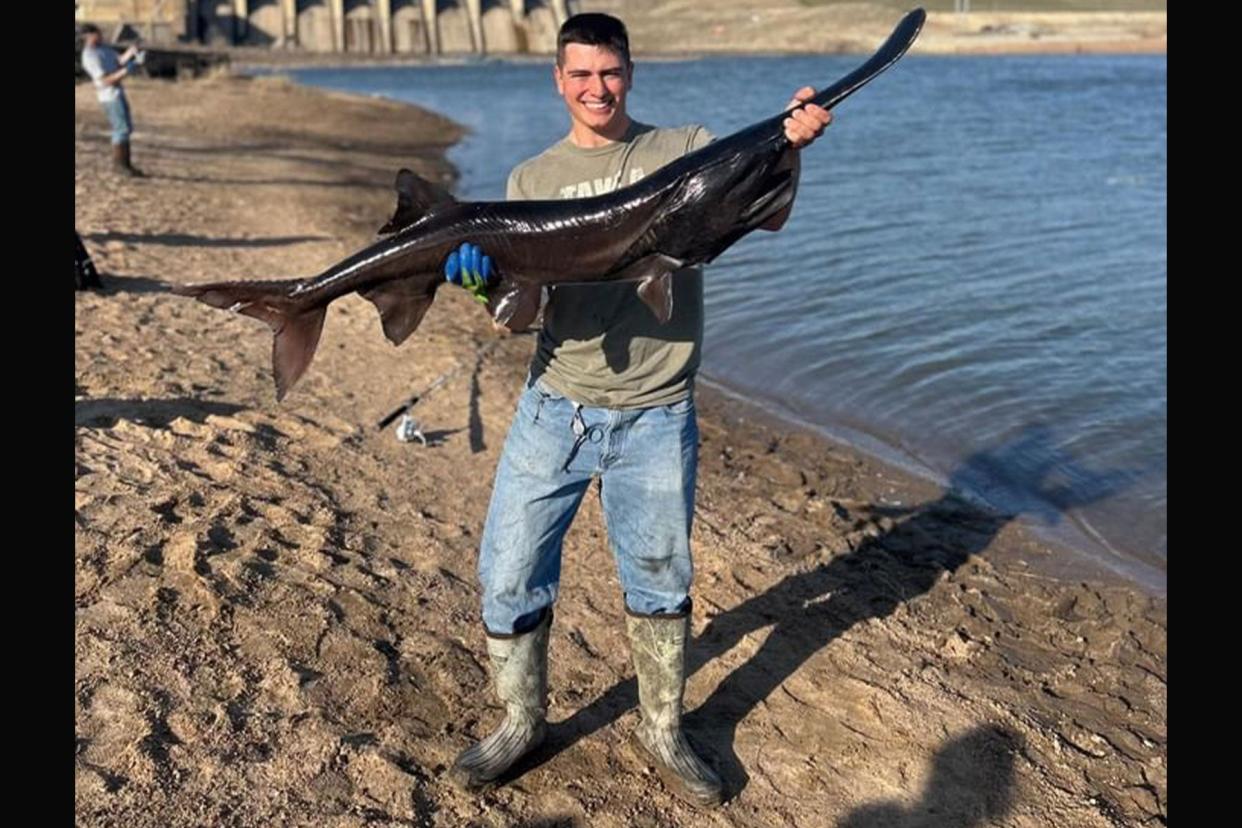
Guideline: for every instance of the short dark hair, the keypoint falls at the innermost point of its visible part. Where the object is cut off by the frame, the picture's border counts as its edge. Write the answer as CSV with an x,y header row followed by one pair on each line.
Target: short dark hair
x,y
88,28
593,29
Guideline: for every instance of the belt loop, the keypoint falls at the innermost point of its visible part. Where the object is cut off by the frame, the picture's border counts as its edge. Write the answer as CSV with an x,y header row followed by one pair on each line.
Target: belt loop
x,y
580,435
579,427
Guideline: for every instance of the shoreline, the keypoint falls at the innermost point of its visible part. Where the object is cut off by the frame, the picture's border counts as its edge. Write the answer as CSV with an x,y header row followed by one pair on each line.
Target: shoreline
x,y
244,61
1078,554
248,61
735,29
340,61
289,596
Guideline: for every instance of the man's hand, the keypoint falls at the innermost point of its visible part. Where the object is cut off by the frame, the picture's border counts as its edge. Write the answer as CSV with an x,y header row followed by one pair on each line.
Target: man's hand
x,y
467,267
806,124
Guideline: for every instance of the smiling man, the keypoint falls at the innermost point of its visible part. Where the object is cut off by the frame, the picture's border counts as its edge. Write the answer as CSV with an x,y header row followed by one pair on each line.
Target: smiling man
x,y
610,396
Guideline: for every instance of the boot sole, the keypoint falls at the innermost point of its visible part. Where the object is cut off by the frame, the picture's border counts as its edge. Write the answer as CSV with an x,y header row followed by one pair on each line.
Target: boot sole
x,y
672,781
465,779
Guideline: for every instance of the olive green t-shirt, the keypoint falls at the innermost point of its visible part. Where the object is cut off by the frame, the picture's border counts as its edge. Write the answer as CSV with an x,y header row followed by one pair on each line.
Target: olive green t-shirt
x,y
600,344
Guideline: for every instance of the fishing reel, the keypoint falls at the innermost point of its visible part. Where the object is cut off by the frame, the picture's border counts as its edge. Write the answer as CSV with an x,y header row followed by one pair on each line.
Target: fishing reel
x,y
408,430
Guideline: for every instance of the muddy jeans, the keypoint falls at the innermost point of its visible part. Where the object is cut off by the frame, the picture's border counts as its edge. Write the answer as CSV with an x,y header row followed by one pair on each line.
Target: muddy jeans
x,y
645,459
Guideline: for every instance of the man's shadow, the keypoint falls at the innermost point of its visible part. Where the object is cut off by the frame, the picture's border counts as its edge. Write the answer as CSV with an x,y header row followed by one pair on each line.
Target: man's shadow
x,y
808,610
971,784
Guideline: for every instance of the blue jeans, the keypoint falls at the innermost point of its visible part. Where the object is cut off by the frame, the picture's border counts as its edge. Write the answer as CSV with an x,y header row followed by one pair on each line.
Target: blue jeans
x,y
118,116
645,459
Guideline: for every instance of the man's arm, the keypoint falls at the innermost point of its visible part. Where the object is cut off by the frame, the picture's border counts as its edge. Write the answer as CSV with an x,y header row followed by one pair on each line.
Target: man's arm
x,y
126,56
802,127
115,77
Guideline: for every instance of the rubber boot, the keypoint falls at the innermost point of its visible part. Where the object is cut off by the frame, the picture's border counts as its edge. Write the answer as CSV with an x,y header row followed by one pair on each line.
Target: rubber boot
x,y
118,159
658,646
121,160
519,667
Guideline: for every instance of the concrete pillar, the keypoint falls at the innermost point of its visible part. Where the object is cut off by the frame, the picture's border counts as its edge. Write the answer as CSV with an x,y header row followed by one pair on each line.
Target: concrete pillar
x,y
432,27
289,13
474,8
241,20
519,10
559,12
337,8
384,9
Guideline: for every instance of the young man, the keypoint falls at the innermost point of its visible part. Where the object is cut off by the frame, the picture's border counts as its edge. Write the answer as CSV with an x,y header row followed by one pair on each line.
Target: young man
x,y
611,395
107,70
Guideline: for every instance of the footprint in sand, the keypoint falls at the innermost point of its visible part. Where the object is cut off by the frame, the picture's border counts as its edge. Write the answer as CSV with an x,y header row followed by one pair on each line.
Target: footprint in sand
x,y
167,511
181,552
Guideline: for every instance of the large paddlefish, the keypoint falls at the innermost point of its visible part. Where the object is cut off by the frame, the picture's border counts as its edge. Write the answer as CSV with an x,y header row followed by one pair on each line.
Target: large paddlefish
x,y
686,213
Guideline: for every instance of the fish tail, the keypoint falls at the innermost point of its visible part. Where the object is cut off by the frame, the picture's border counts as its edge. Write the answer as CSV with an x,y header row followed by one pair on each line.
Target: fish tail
x,y
297,325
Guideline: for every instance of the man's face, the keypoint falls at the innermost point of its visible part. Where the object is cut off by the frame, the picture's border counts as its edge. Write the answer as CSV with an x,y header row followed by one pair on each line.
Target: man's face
x,y
594,81
91,38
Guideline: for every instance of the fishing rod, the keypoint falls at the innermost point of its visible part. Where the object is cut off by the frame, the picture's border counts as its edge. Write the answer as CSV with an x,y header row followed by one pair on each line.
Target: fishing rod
x,y
408,429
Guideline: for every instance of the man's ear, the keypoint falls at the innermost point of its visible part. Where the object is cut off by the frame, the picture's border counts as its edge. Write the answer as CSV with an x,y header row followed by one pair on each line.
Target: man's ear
x,y
556,78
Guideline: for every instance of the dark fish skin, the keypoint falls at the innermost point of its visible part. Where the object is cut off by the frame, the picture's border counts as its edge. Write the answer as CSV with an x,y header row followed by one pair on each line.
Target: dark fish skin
x,y
686,213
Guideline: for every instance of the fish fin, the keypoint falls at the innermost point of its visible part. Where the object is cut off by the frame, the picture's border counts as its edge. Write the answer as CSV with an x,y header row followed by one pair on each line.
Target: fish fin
x,y
654,275
262,300
297,328
402,303
515,307
657,292
294,347
416,197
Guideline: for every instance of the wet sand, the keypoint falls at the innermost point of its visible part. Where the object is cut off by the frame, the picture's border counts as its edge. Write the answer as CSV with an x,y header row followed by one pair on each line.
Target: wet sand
x,y
277,617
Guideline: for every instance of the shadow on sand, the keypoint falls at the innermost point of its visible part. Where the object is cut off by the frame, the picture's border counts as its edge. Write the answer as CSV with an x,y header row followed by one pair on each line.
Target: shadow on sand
x,y
971,784
808,610
186,240
104,413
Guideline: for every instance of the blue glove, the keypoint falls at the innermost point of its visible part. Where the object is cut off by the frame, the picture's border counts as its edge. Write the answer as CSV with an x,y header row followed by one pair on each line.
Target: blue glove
x,y
467,267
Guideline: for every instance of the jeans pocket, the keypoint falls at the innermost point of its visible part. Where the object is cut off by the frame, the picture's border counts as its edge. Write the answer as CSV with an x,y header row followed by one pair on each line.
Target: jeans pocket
x,y
542,397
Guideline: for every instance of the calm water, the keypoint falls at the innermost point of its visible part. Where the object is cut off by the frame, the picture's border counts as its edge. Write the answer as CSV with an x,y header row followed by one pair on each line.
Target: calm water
x,y
972,282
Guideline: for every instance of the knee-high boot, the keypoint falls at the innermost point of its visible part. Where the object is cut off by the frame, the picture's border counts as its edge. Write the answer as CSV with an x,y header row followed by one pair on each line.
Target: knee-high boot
x,y
658,646
519,667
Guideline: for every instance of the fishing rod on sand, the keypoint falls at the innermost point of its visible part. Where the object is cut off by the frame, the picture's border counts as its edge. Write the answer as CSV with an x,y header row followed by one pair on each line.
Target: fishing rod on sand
x,y
408,429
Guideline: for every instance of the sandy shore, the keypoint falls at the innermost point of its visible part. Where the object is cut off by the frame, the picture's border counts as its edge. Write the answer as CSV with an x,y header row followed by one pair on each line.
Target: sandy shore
x,y
742,26
661,28
276,611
